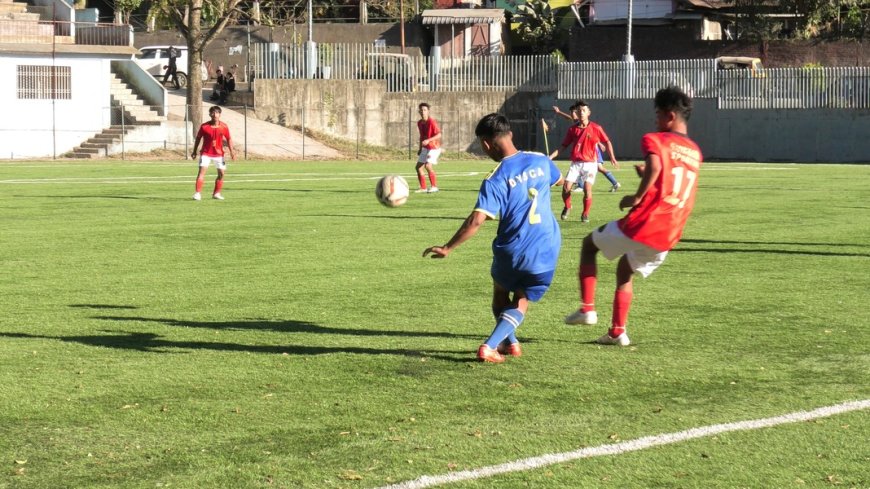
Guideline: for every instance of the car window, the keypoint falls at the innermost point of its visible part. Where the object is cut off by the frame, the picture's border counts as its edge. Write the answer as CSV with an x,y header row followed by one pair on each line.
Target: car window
x,y
148,54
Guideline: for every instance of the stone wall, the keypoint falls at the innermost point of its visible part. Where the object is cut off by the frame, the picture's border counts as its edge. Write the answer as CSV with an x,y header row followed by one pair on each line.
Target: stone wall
x,y
364,111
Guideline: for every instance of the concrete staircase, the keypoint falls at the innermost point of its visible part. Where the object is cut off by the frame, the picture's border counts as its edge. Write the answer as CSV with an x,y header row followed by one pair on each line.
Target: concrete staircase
x,y
129,113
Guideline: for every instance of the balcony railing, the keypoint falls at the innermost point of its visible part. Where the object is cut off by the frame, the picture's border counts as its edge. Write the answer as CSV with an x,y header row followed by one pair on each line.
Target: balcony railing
x,y
23,31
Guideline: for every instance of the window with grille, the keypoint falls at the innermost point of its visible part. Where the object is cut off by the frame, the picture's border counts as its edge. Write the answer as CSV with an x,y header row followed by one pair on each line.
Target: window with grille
x,y
44,82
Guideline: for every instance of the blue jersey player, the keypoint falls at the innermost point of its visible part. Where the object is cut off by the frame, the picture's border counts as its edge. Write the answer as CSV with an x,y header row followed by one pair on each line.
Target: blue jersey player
x,y
526,247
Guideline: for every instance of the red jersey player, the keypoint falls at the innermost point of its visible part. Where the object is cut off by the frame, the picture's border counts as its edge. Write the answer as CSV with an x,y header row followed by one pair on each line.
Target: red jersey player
x,y
212,133
583,139
659,211
429,149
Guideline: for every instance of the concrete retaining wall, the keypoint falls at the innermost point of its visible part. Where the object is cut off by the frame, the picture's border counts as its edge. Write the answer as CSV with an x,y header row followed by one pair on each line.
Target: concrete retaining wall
x,y
364,111
796,135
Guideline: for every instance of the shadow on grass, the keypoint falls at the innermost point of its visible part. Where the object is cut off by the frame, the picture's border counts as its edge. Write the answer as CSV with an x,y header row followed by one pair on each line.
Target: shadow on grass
x,y
778,243
103,306
756,249
153,343
286,327
370,216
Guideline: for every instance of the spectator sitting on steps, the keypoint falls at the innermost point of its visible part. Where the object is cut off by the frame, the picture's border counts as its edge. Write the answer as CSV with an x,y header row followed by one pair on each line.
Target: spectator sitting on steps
x,y
220,88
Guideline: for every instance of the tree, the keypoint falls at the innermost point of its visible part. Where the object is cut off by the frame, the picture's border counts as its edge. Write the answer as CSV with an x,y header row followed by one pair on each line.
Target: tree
x,y
188,16
123,9
805,19
537,26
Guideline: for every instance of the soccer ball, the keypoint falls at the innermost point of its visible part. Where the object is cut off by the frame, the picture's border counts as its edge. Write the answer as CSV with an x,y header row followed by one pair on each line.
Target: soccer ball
x,y
392,191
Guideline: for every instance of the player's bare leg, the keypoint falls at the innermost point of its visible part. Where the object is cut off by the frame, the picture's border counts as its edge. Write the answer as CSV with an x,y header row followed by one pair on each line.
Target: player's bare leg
x,y
218,185
566,198
587,201
421,178
510,318
200,180
621,304
433,178
587,277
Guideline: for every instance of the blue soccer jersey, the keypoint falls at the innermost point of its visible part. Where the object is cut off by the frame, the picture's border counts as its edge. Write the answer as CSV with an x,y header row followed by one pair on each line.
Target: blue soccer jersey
x,y
517,192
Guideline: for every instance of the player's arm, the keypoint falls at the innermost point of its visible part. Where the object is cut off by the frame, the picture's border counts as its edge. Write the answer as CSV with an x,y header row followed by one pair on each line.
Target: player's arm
x,y
468,229
434,138
556,151
612,154
651,169
563,114
196,144
230,144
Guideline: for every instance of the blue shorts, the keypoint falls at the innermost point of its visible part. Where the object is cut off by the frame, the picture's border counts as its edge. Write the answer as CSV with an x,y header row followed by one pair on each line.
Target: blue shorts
x,y
534,285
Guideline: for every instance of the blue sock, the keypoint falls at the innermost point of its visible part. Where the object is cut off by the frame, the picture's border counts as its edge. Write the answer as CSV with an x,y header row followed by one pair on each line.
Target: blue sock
x,y
609,176
508,322
511,338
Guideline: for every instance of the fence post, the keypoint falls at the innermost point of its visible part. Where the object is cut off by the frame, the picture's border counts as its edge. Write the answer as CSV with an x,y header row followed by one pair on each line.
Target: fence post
x,y
186,135
410,119
123,131
246,131
358,124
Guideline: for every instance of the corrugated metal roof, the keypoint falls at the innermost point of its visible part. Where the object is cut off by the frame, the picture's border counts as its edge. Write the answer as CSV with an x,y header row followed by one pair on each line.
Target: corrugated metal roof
x,y
463,16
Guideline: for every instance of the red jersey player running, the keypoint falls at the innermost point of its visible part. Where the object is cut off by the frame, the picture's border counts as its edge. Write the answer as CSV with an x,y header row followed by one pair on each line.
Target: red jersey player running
x,y
212,133
654,225
429,149
583,139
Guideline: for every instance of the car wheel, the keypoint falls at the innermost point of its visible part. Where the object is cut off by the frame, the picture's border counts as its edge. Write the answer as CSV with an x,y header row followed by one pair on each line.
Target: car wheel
x,y
182,79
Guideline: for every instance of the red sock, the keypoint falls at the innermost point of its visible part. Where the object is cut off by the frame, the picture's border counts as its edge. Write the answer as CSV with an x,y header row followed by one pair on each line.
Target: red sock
x,y
422,180
199,182
218,185
621,305
587,204
567,200
433,179
588,280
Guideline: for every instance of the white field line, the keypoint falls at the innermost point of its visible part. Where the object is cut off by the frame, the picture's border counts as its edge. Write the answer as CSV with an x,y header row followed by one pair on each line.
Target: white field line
x,y
628,446
294,177
243,177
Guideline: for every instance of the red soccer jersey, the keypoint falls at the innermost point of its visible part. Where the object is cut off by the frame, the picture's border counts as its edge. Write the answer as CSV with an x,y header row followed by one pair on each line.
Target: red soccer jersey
x,y
584,140
212,138
429,128
658,220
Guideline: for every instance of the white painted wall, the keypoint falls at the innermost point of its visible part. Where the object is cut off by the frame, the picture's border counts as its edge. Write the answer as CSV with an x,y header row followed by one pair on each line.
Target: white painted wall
x,y
46,128
608,10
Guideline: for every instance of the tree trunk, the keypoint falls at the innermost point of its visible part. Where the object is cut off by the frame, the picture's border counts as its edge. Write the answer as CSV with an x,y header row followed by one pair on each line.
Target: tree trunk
x,y
194,68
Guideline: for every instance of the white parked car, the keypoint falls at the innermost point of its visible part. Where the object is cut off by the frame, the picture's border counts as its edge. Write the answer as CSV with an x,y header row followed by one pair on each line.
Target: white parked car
x,y
154,59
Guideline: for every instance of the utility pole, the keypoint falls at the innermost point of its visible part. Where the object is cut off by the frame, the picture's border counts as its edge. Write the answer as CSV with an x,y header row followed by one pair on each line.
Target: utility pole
x,y
628,57
401,23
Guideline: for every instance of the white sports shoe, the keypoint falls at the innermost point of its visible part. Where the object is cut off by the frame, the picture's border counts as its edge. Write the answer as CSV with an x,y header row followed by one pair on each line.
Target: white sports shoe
x,y
432,190
615,187
421,191
621,340
217,196
578,317
197,196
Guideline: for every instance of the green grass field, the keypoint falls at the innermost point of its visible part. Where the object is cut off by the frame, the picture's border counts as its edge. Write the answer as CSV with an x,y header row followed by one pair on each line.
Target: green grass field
x,y
293,336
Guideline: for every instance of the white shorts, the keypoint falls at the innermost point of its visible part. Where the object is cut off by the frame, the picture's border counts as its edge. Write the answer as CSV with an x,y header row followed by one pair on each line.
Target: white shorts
x,y
613,244
581,172
429,155
219,162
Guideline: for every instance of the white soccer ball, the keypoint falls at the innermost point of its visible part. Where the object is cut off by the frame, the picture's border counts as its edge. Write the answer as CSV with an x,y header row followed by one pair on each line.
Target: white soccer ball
x,y
392,191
